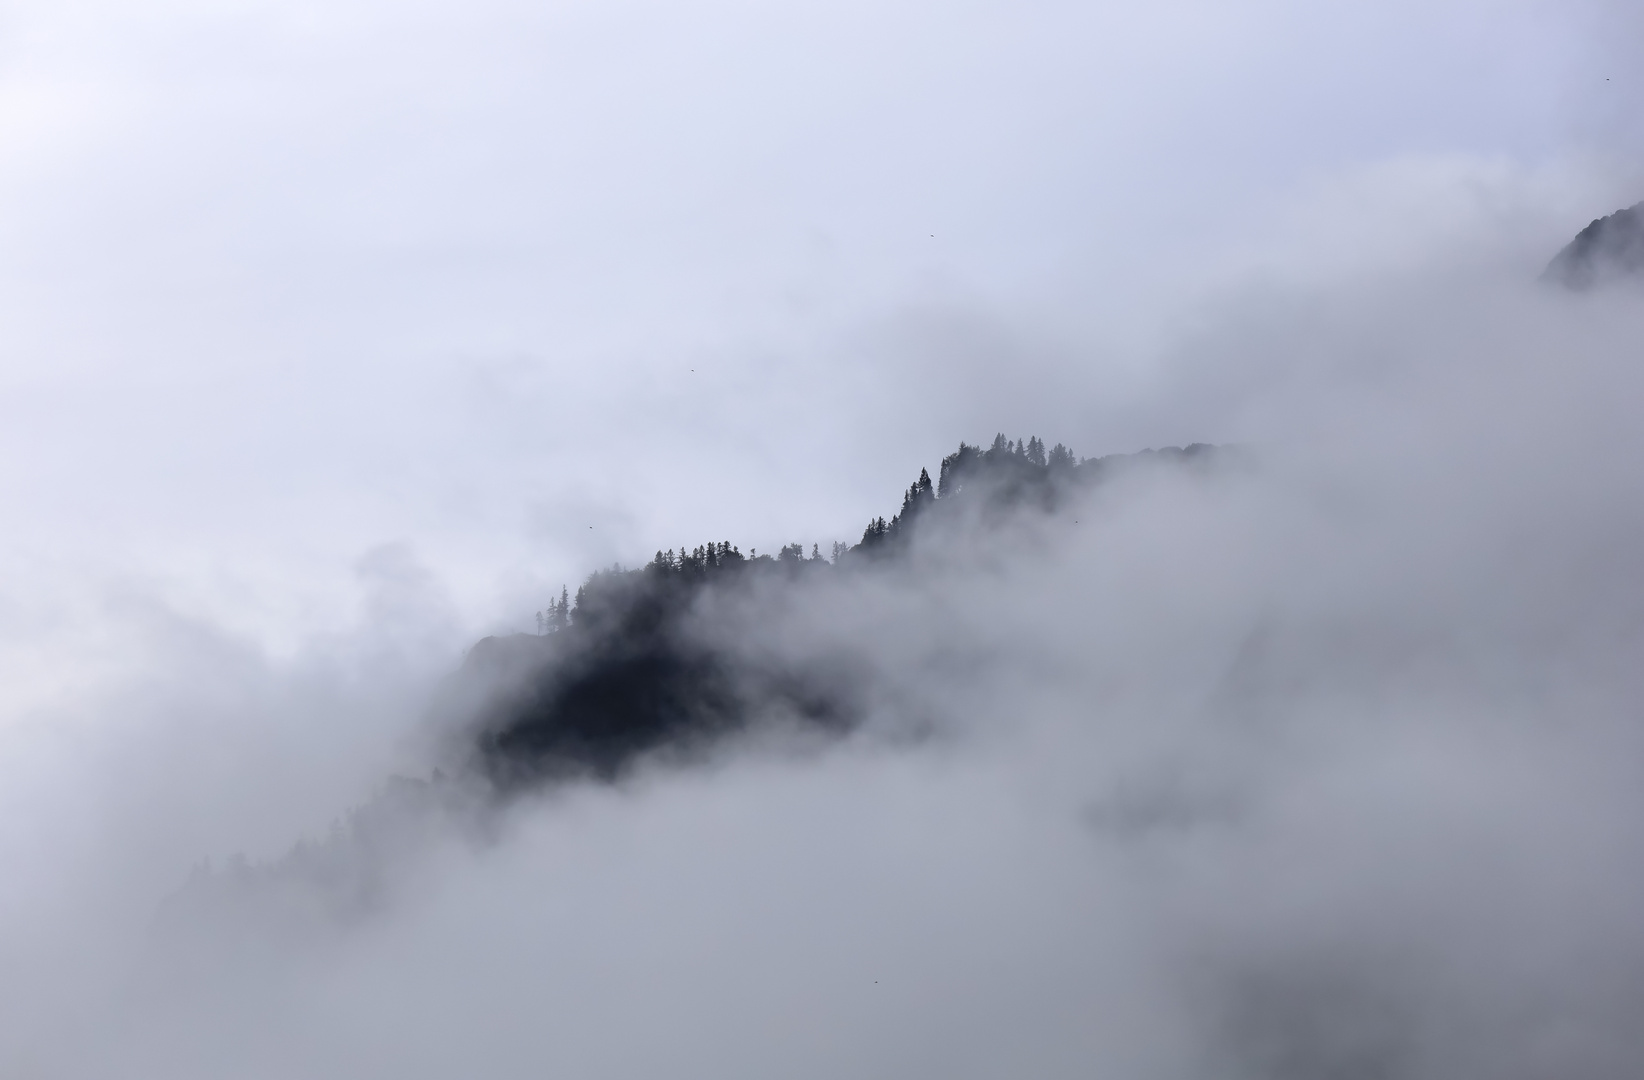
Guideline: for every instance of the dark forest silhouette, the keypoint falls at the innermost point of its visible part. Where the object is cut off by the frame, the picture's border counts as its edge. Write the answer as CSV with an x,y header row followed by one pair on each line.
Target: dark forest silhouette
x,y
616,673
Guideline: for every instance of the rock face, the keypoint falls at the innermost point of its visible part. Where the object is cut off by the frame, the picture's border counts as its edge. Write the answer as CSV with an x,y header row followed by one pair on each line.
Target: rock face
x,y
1608,249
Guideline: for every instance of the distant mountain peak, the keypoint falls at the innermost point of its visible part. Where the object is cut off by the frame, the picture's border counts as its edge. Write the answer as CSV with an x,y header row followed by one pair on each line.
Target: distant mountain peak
x,y
1610,248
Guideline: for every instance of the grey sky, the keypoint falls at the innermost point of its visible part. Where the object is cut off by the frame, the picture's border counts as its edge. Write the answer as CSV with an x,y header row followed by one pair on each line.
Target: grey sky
x,y
286,282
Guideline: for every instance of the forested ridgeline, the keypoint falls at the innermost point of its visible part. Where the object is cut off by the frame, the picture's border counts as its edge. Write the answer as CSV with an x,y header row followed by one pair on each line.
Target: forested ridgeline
x,y
624,668
655,663
1608,250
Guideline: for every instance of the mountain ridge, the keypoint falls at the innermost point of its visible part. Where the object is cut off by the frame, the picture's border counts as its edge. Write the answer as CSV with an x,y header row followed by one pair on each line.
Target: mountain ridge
x,y
1608,249
626,669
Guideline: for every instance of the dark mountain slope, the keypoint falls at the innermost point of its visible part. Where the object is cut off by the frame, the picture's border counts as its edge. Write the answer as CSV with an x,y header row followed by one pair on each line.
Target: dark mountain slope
x,y
1606,250
660,663
666,658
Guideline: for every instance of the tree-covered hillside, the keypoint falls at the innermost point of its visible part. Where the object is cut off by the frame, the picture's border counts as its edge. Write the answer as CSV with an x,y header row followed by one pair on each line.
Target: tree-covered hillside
x,y
631,666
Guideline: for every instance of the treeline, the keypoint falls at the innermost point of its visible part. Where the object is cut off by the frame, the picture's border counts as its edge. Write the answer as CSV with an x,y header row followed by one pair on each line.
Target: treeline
x,y
621,670
1005,476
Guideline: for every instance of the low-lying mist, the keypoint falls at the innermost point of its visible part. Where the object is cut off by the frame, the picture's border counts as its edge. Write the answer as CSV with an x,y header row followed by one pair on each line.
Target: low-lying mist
x,y
1319,757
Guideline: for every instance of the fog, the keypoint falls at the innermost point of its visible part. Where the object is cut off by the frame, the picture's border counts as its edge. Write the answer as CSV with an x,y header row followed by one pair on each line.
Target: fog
x,y
338,337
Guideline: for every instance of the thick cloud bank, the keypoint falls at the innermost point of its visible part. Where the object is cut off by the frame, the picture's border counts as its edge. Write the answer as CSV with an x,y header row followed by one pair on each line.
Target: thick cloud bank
x,y
1323,761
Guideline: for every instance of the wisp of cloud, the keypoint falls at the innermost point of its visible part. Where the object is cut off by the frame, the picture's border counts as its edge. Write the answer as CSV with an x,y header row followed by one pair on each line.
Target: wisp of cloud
x,y
1319,757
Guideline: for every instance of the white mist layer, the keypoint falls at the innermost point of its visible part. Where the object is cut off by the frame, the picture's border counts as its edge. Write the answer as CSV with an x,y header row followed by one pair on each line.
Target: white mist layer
x,y
1325,762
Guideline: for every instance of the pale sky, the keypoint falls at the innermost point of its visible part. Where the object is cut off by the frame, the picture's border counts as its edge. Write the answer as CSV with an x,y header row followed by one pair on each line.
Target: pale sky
x,y
529,288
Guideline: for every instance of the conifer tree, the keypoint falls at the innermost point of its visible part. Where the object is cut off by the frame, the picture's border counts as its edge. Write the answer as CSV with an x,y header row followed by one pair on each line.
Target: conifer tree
x,y
954,468
916,498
